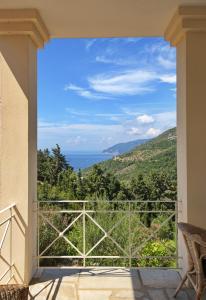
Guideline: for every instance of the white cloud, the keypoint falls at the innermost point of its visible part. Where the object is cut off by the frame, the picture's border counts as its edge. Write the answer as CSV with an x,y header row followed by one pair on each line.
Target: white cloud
x,y
136,72
78,113
166,119
106,139
42,124
166,116
90,43
64,127
152,61
174,91
116,61
86,136
132,39
145,119
132,82
103,59
167,57
82,137
141,125
72,87
166,63
134,131
130,112
126,40
76,140
152,132
168,78
110,116
85,92
164,54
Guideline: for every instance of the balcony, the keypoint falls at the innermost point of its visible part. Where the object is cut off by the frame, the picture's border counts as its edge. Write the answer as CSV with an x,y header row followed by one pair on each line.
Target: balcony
x,y
107,284
91,268
23,31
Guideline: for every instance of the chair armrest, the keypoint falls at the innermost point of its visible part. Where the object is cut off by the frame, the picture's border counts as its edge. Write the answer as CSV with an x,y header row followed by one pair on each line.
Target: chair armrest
x,y
14,291
197,239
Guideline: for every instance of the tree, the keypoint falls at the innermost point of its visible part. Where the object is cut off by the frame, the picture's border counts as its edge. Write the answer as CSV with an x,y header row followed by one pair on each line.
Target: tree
x,y
81,191
59,163
57,181
45,168
96,182
51,165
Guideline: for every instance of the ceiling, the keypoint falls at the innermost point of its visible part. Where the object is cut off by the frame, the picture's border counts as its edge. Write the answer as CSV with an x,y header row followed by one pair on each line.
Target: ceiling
x,y
103,18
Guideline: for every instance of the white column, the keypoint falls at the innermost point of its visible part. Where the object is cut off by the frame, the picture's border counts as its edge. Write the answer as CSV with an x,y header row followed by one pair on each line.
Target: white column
x,y
187,31
21,33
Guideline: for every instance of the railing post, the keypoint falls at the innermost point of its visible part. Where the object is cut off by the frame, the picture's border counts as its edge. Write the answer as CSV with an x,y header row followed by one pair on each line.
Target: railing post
x,y
6,244
130,250
176,234
37,206
84,236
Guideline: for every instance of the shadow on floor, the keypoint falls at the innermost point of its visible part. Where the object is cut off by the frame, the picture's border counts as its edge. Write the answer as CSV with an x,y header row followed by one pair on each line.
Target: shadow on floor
x,y
107,284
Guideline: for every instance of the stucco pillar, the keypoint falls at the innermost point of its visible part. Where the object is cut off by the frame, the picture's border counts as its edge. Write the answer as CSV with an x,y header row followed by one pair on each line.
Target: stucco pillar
x,y
22,32
187,31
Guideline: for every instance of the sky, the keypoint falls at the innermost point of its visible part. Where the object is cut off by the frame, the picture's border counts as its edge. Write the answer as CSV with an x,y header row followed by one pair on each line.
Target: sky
x,y
94,93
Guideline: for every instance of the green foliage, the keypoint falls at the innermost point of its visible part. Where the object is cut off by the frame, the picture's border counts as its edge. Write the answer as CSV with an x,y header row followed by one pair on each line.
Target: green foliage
x,y
51,165
47,235
157,250
105,183
57,180
157,155
166,232
156,243
125,147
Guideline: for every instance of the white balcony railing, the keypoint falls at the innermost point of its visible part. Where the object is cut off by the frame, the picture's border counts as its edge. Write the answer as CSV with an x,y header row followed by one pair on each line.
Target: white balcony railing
x,y
6,262
83,233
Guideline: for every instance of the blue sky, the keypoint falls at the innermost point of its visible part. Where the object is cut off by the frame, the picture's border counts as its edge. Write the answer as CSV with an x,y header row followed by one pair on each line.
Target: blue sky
x,y
94,93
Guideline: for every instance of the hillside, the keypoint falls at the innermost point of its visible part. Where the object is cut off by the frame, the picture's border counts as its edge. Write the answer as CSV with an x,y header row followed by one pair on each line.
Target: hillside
x,y
124,147
156,155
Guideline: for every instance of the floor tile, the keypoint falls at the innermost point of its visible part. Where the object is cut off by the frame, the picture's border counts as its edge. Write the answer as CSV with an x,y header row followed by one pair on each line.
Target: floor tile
x,y
159,278
94,295
107,284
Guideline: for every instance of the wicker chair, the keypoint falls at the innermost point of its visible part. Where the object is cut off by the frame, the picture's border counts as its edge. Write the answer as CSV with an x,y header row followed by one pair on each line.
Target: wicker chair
x,y
14,292
195,240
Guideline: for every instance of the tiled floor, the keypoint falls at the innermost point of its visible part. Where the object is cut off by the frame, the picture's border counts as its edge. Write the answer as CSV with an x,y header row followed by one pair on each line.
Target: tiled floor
x,y
107,284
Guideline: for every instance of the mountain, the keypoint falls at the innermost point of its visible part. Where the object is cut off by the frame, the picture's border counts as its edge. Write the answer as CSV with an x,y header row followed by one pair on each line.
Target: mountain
x,y
158,154
124,147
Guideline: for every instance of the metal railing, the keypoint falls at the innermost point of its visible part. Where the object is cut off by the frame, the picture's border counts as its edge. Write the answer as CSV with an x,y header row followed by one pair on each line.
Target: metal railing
x,y
82,233
6,217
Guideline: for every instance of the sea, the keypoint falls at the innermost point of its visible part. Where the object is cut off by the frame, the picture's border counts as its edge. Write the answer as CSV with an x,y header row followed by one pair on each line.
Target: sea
x,y
82,160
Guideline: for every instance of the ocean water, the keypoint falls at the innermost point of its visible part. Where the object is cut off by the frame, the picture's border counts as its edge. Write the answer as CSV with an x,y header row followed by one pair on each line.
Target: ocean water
x,y
85,160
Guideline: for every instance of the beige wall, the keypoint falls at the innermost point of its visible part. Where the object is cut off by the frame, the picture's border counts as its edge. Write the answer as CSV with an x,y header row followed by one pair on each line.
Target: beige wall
x,y
18,143
191,127
187,31
102,18
191,130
